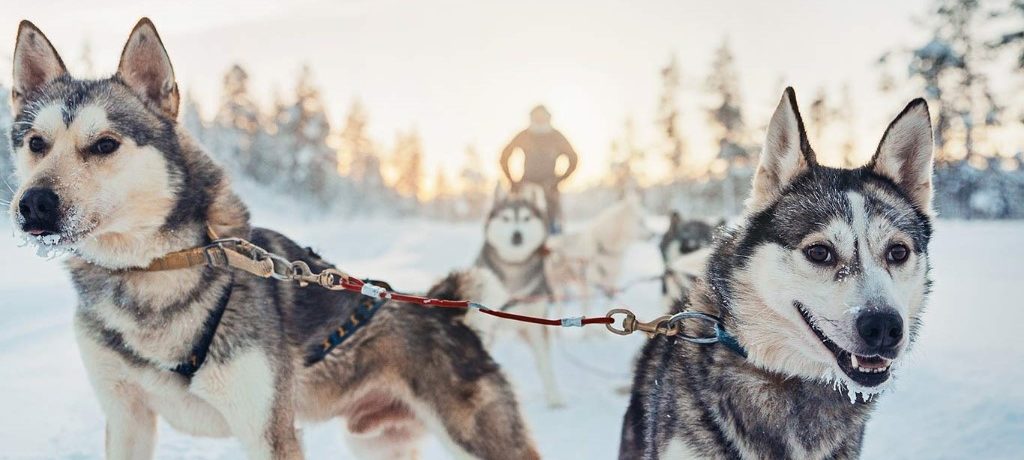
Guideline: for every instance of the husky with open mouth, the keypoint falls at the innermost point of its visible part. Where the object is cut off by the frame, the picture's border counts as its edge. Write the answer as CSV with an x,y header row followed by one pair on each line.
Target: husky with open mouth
x,y
820,288
109,175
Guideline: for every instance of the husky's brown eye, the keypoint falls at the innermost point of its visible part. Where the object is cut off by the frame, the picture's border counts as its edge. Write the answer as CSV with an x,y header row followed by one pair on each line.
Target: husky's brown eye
x,y
105,146
819,254
897,254
37,144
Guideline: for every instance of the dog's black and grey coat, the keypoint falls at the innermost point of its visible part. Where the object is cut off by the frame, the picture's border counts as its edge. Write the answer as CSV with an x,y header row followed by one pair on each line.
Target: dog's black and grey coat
x,y
708,402
261,341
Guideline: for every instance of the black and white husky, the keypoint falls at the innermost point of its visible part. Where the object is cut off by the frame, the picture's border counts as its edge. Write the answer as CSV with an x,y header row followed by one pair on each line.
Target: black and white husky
x,y
684,248
514,256
108,174
821,286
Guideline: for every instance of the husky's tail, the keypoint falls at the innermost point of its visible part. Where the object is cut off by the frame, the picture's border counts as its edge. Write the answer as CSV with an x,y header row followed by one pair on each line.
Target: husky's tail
x,y
476,284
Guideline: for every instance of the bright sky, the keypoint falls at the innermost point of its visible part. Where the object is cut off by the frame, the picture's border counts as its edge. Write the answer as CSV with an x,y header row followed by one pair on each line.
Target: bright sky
x,y
467,72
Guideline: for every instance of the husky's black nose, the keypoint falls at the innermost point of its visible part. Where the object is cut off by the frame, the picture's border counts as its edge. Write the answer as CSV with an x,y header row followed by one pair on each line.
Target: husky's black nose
x,y
517,238
39,207
880,330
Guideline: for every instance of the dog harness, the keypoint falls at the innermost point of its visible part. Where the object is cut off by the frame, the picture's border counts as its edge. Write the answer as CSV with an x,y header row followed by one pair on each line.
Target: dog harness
x,y
196,359
367,308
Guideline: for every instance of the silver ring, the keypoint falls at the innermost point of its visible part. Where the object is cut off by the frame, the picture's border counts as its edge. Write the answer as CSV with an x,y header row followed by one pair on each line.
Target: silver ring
x,y
684,315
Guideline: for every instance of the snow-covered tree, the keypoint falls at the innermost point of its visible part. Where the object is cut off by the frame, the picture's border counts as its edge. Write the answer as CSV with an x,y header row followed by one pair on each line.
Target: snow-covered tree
x,y
302,129
1012,38
357,153
668,121
948,68
726,113
735,158
819,114
192,119
444,195
408,163
627,160
237,122
474,184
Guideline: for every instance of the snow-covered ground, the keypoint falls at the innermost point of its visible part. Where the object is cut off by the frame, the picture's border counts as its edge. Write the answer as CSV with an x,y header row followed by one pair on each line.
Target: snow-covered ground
x,y
960,397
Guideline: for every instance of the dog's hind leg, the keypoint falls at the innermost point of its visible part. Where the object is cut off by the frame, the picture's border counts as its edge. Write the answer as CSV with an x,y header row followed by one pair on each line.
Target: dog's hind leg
x,y
477,419
539,340
454,387
381,427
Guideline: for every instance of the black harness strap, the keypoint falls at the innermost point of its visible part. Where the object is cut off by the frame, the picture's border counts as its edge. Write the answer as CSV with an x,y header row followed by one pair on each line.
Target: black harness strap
x,y
189,368
367,308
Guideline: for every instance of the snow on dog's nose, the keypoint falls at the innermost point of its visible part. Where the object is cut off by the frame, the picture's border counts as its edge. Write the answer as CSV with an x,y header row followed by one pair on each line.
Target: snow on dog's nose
x,y
39,211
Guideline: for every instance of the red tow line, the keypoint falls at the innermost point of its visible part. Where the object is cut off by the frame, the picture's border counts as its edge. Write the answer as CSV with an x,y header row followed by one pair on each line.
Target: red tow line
x,y
357,285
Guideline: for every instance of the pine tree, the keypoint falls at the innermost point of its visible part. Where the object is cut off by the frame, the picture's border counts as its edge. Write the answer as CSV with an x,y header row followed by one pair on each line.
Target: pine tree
x,y
408,161
238,121
443,195
819,114
357,153
668,121
192,119
303,130
726,114
627,160
727,120
947,67
474,183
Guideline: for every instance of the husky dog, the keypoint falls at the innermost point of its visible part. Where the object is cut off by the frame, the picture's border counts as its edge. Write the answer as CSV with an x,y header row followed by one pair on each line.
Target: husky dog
x,y
108,174
593,256
821,288
684,250
514,255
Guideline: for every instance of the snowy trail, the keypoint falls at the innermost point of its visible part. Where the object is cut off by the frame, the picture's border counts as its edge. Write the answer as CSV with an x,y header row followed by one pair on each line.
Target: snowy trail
x,y
960,396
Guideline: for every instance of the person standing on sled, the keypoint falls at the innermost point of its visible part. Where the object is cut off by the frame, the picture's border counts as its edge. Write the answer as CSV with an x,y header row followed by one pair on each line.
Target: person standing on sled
x,y
542,146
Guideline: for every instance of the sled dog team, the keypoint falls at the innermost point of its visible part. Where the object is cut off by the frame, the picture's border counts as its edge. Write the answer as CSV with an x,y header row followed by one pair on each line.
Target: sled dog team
x,y
821,283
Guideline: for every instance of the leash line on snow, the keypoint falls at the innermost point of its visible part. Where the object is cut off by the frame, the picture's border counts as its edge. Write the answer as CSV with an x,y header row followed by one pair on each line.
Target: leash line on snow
x,y
240,254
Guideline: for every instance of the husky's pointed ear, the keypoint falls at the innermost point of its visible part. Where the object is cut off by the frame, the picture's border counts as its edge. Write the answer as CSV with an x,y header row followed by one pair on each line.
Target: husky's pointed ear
x,y
786,153
36,63
146,68
674,220
535,195
905,154
500,192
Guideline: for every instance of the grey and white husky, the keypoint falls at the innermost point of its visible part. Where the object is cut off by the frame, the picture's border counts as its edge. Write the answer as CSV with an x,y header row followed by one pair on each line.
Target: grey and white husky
x,y
821,287
684,248
108,174
514,256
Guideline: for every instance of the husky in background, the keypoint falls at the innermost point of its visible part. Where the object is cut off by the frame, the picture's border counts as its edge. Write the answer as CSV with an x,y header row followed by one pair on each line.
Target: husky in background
x,y
592,257
822,286
109,175
684,248
514,256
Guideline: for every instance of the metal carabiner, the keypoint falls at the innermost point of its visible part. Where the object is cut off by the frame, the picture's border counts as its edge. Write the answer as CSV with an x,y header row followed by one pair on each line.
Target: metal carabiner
x,y
659,326
685,315
283,269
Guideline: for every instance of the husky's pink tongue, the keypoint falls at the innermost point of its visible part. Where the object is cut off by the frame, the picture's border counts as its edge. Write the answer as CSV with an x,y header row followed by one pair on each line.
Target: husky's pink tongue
x,y
36,232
